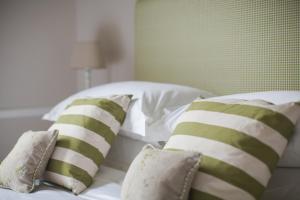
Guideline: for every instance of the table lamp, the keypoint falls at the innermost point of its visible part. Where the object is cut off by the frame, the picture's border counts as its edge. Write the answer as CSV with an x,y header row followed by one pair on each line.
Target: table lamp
x,y
86,56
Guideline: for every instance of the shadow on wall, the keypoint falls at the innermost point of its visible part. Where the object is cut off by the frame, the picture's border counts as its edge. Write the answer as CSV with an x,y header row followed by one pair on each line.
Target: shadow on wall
x,y
110,38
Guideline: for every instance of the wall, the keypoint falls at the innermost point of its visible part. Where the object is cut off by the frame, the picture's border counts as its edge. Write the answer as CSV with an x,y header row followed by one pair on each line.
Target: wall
x,y
35,41
36,37
112,23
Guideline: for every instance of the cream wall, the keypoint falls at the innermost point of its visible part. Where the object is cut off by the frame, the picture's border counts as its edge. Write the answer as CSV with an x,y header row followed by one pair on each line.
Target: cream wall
x,y
112,23
36,37
35,41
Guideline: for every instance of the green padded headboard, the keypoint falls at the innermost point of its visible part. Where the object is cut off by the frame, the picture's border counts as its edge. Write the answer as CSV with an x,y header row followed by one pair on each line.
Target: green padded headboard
x,y
224,46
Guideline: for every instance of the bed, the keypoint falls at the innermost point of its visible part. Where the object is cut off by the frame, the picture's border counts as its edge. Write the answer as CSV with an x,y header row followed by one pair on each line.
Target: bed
x,y
107,185
205,44
224,47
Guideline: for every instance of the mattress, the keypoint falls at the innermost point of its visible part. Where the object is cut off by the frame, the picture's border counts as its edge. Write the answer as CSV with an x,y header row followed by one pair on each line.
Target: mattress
x,y
107,186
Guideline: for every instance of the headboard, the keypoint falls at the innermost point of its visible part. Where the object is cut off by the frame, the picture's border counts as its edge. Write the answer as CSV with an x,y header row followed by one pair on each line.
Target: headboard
x,y
223,46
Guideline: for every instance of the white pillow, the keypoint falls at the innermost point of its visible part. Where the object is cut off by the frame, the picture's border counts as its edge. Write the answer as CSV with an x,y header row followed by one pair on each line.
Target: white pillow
x,y
275,97
291,156
151,102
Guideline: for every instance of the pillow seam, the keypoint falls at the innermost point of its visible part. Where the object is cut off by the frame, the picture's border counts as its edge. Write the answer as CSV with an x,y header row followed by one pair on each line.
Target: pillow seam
x,y
42,158
188,177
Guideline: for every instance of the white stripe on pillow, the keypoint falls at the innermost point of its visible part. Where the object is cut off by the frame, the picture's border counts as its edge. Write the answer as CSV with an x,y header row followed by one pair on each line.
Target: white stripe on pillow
x,y
215,149
68,181
96,113
282,109
269,137
209,184
76,159
78,132
122,102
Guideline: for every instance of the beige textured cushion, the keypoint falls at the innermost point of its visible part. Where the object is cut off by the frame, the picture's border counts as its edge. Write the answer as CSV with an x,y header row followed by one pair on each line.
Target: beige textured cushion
x,y
27,160
160,174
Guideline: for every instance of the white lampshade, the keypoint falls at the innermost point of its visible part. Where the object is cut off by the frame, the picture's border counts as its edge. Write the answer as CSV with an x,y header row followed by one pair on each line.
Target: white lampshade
x,y
87,55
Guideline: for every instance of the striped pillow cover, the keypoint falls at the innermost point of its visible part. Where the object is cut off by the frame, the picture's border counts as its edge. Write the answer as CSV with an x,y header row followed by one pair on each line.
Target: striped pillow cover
x,y
87,129
241,142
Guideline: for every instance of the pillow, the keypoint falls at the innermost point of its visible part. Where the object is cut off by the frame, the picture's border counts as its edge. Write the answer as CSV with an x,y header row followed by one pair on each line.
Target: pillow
x,y
87,129
27,160
152,177
291,156
151,101
241,143
275,97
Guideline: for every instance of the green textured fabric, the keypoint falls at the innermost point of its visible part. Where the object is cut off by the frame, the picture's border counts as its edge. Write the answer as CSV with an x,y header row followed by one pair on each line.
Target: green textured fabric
x,y
240,159
85,136
225,47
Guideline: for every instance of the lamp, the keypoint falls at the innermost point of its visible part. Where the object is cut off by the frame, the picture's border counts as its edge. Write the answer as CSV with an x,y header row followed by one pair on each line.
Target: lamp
x,y
87,56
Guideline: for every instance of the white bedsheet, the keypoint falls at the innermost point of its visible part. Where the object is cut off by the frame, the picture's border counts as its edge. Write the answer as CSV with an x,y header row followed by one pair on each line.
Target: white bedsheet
x,y
107,186
284,185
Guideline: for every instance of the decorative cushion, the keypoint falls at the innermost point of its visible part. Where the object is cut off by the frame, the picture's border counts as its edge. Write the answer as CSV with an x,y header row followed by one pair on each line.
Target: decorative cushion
x,y
291,156
27,160
241,143
87,129
159,174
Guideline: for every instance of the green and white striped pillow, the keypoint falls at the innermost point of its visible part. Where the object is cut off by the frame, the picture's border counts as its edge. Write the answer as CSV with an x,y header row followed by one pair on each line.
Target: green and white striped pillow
x,y
241,142
87,129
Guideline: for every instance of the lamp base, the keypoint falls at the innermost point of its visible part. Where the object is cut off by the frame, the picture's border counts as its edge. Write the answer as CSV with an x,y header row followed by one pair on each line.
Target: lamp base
x,y
87,78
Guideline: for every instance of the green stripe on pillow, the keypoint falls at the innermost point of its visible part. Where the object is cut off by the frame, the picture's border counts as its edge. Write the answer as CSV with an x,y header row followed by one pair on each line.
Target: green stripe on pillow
x,y
80,130
231,137
234,165
90,124
69,170
231,174
80,147
113,108
196,194
275,120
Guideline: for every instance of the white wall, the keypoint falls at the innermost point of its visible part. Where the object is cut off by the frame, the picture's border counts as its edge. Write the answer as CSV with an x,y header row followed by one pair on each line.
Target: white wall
x,y
36,37
35,41
112,23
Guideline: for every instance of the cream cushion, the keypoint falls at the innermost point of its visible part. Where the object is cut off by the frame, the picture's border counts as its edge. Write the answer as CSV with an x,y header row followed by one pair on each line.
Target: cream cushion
x,y
159,174
27,160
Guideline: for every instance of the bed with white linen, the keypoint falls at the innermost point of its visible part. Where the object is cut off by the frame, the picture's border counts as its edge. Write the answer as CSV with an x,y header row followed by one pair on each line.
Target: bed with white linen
x,y
205,44
106,186
137,131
